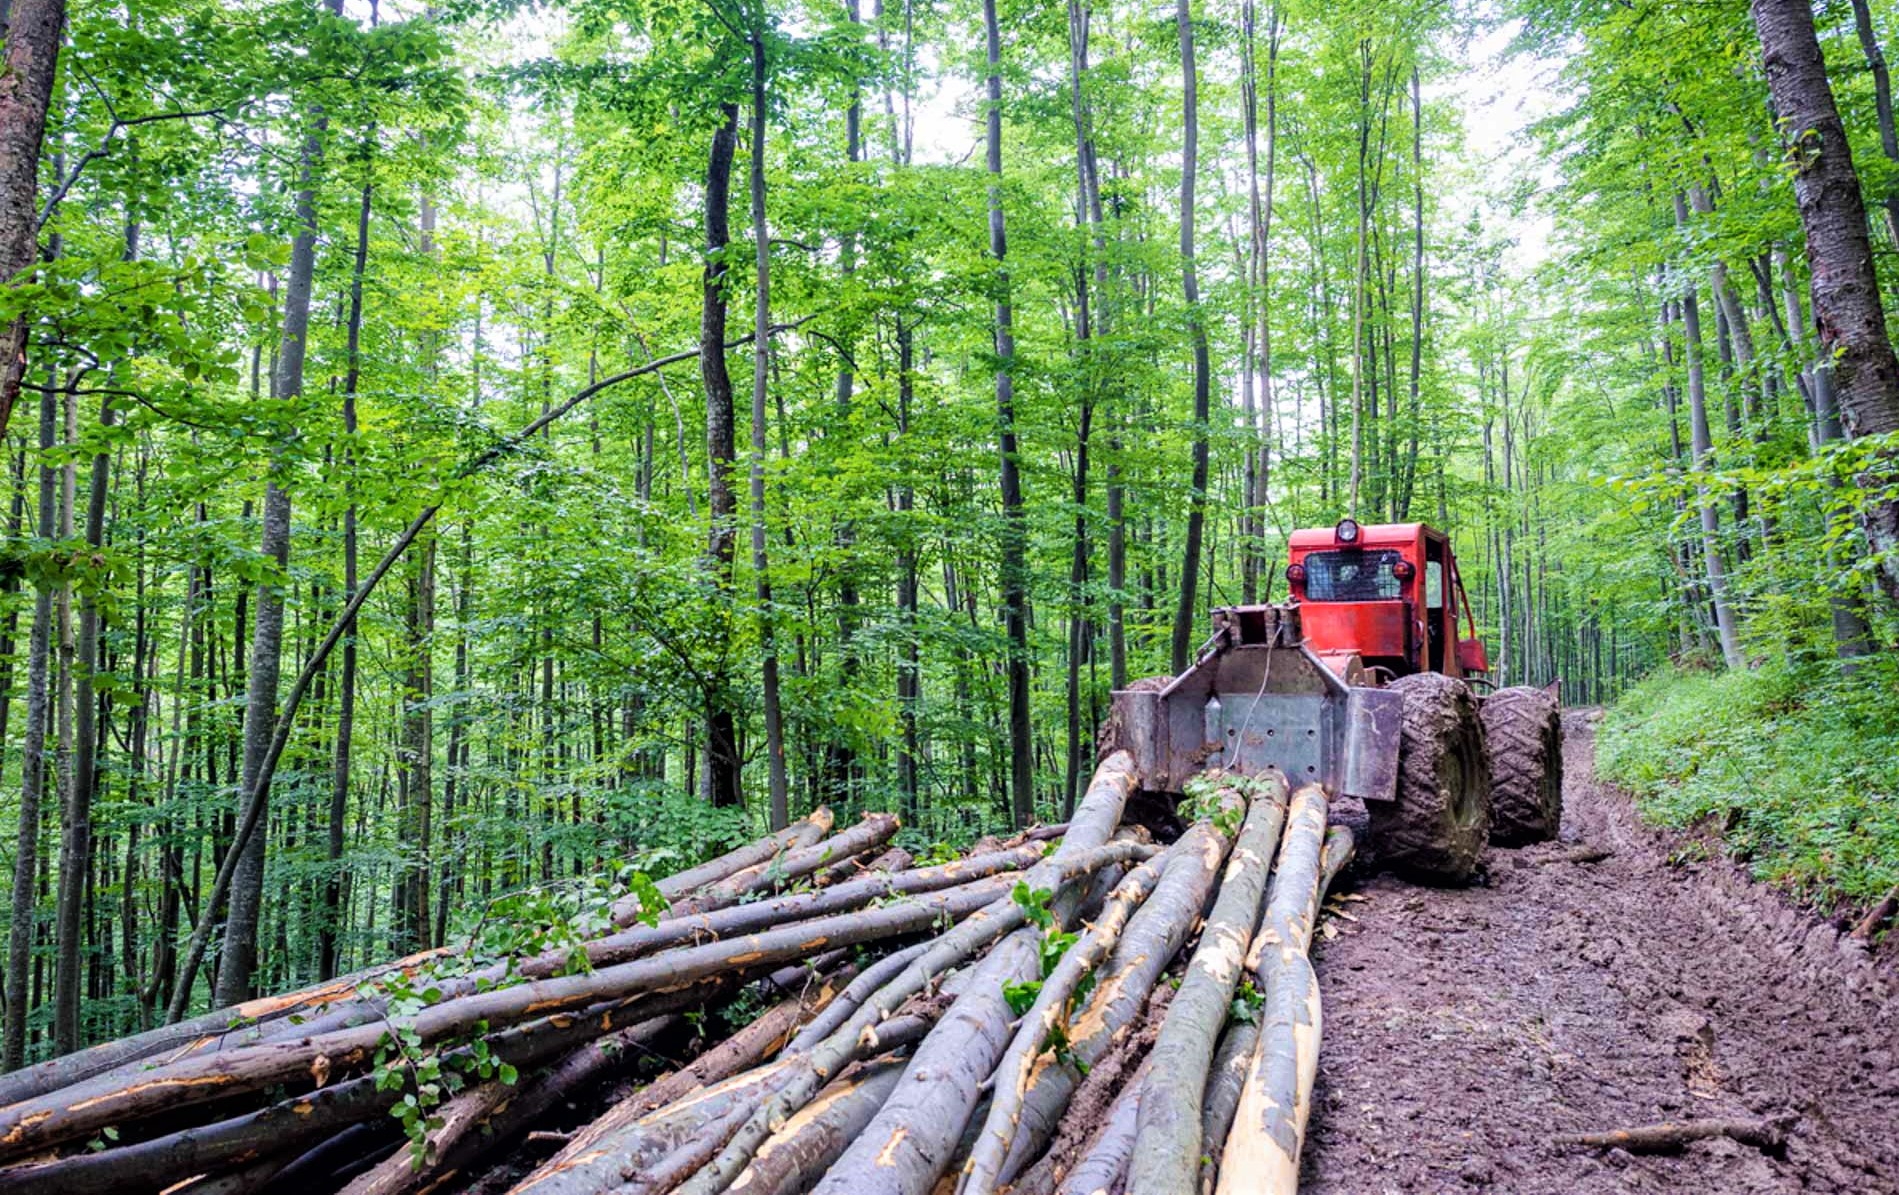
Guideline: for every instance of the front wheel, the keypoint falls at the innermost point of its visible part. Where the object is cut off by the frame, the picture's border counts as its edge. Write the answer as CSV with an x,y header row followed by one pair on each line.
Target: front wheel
x,y
1437,828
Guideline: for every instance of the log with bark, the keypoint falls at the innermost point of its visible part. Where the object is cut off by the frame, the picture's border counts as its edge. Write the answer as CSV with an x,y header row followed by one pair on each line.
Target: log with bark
x,y
1145,949
1262,1149
808,1013
1168,1138
1769,1136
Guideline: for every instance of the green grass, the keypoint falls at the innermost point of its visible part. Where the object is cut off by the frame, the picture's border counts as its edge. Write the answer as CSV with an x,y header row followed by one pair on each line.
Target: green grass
x,y
1795,767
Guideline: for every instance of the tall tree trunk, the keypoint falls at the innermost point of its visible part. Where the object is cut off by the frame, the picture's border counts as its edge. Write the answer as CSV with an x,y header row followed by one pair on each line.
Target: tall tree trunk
x,y
33,32
1197,331
1417,290
1087,210
1015,595
1882,104
761,376
722,758
909,664
413,924
1358,278
1260,211
417,757
840,759
1702,444
335,891
1846,305
1852,636
75,844
23,922
239,958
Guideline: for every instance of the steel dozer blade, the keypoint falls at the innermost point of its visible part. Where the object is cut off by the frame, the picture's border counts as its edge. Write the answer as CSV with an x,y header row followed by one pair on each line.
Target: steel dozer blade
x,y
1257,697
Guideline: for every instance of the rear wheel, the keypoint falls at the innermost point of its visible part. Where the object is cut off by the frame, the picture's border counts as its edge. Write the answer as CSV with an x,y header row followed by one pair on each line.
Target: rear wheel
x,y
1438,827
1524,728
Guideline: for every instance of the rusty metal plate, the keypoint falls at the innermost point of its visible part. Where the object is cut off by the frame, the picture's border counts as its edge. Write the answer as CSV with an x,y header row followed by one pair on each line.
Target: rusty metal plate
x,y
1374,727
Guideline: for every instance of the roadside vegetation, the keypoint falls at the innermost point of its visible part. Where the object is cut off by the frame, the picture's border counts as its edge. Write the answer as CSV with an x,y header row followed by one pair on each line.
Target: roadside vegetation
x,y
1793,765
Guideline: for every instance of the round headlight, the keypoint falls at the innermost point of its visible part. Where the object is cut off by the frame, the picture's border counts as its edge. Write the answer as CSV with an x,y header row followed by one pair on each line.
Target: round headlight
x,y
1404,570
1296,573
1346,531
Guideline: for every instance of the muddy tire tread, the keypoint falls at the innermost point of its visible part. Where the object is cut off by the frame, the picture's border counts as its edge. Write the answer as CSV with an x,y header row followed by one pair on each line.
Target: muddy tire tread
x,y
1419,835
1523,725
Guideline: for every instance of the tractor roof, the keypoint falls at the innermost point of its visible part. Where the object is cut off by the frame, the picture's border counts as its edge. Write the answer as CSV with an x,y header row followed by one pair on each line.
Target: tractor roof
x,y
1370,535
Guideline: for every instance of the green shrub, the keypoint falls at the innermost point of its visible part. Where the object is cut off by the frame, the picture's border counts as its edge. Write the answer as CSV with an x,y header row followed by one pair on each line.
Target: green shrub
x,y
1795,766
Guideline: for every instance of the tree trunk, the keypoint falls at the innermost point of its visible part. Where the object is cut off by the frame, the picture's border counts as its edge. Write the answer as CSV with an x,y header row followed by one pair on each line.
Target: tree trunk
x,y
24,919
1882,104
1417,291
335,890
722,758
1184,613
1015,585
75,850
1846,305
1088,210
761,367
416,758
33,32
1702,444
239,958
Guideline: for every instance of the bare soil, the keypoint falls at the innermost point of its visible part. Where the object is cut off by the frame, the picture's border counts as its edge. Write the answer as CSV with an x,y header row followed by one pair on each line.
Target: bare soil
x,y
1466,1027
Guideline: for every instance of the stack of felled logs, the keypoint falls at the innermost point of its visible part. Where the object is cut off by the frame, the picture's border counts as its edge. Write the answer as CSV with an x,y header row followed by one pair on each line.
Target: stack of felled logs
x,y
1074,1010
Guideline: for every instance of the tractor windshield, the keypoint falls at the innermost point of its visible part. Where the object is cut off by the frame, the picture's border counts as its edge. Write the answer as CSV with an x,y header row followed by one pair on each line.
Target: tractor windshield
x,y
1353,575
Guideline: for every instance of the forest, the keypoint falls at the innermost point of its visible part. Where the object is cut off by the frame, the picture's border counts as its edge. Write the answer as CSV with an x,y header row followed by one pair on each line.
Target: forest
x,y
455,449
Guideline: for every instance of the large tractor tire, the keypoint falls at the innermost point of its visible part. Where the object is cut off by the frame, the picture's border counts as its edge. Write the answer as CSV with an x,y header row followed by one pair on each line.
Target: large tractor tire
x,y
1524,727
1438,827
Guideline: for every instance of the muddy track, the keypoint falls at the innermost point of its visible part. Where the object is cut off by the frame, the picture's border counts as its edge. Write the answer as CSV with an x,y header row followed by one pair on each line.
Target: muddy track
x,y
1464,1027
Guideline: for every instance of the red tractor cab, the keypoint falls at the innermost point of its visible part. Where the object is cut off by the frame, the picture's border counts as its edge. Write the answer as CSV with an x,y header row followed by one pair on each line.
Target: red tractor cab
x,y
1387,595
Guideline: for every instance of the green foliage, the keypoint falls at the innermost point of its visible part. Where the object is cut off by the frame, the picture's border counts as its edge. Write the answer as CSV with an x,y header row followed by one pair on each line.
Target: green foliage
x,y
1792,765
1034,904
1020,994
1247,1001
1218,798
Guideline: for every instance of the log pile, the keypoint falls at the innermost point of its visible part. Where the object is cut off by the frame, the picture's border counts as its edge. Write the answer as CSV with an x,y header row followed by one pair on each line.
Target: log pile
x,y
1074,1009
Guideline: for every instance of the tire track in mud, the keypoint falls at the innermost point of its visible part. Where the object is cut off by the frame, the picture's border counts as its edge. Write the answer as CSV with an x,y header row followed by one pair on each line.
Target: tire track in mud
x,y
1464,1027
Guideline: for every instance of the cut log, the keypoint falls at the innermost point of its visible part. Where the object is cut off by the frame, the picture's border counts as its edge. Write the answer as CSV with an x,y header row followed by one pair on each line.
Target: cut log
x,y
1226,1079
867,835
1168,1147
483,1118
737,1054
195,1035
893,859
1262,1150
335,1160
1149,943
790,1163
799,833
301,1121
912,1136
1105,1164
1878,916
268,1017
81,1110
1082,852
996,871
1108,1079
1050,1010
1768,1136
853,996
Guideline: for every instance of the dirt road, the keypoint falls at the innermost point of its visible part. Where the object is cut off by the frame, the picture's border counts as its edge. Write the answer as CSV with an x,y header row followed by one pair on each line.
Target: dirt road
x,y
1464,1028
